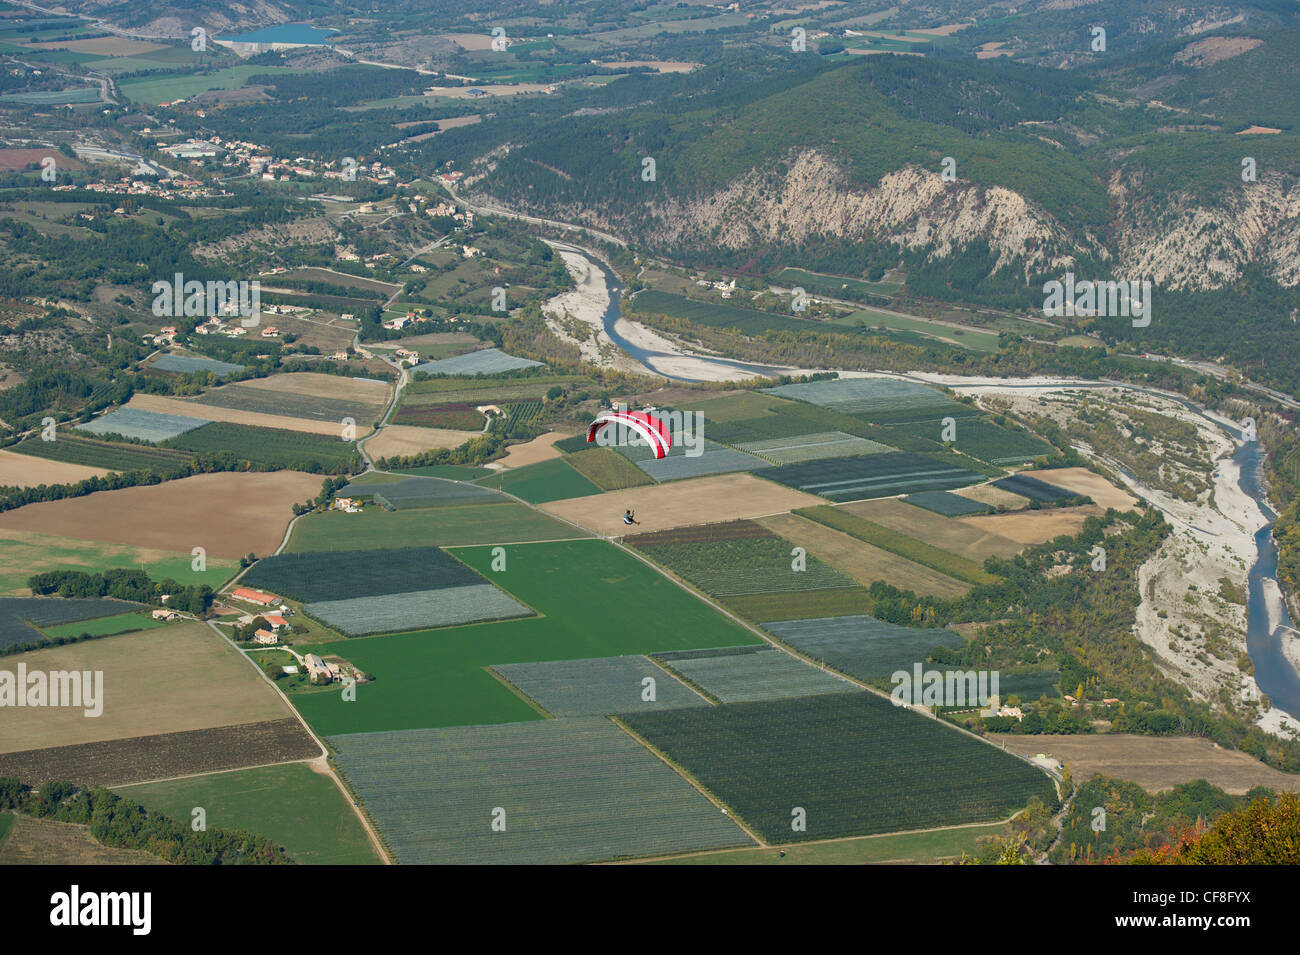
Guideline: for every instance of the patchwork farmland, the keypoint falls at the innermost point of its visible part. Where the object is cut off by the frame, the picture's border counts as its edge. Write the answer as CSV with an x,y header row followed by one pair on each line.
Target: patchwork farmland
x,y
573,790
854,763
875,475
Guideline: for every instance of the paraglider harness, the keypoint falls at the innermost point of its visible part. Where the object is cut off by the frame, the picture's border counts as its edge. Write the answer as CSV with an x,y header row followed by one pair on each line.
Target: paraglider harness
x,y
629,517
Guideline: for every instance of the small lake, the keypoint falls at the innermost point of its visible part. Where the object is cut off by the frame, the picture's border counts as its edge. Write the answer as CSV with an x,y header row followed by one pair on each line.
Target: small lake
x,y
302,33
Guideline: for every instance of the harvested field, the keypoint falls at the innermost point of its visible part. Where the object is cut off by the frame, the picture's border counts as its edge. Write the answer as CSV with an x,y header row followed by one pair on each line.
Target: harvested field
x,y
871,476
227,514
399,441
745,566
1083,481
992,496
973,544
745,674
180,406
1034,527
417,610
151,426
18,159
1154,763
162,756
813,447
314,384
24,470
573,790
607,469
863,647
598,686
854,762
843,602
342,575
47,842
442,526
864,562
730,531
541,448
901,543
189,680
721,497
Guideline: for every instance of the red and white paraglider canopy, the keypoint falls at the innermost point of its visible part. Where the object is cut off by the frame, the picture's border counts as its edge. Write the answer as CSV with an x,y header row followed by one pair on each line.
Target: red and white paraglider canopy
x,y
654,431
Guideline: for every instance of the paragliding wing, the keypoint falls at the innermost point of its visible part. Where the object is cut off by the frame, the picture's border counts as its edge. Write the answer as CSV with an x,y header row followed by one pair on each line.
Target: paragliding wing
x,y
647,425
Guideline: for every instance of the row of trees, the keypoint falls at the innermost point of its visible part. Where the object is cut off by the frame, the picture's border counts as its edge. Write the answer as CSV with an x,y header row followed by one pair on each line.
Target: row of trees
x,y
124,824
123,583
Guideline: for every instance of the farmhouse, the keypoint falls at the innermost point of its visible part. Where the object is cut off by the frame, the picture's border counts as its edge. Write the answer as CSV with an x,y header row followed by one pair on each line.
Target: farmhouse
x,y
317,667
165,615
276,621
258,597
265,637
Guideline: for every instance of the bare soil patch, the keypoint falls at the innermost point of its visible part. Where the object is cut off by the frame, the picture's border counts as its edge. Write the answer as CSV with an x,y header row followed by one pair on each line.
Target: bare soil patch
x,y
1035,527
46,842
1083,481
1154,763
24,470
182,678
995,496
863,562
973,543
400,440
227,514
722,497
541,448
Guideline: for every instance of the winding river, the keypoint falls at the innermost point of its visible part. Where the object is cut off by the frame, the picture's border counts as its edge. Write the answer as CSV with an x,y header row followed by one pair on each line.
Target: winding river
x,y
1266,624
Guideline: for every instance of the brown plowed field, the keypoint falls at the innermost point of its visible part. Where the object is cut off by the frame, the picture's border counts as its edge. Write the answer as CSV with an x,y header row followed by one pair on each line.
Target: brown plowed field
x,y
144,758
227,514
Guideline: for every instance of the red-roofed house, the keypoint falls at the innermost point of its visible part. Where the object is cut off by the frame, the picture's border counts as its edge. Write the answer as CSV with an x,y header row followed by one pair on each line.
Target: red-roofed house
x,y
275,620
258,597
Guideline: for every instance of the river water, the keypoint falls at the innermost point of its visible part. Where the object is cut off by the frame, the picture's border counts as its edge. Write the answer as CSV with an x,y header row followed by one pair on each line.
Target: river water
x,y
1276,677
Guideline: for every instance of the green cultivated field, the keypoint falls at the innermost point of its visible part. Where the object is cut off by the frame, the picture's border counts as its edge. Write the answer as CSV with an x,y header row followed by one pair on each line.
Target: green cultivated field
x,y
103,454
933,846
453,472
342,575
983,439
749,321
300,809
841,602
854,762
594,601
538,483
154,90
436,526
104,626
753,566
270,447
607,469
23,554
